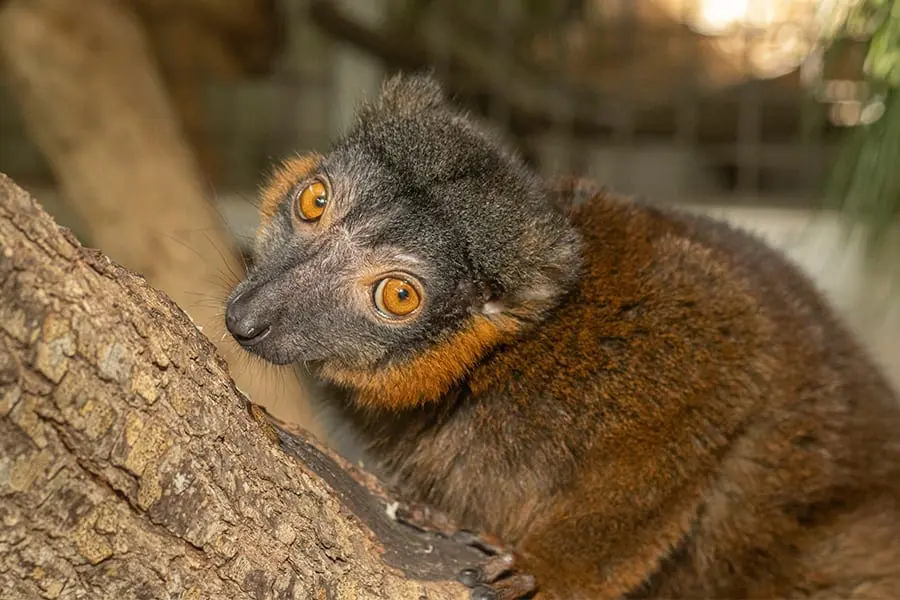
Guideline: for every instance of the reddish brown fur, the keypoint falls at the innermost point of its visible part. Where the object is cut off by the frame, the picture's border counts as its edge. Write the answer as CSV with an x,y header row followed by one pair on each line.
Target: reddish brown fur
x,y
690,422
428,376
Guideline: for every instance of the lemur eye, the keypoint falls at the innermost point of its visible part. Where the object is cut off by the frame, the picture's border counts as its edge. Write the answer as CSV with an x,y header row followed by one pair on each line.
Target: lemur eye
x,y
311,201
396,297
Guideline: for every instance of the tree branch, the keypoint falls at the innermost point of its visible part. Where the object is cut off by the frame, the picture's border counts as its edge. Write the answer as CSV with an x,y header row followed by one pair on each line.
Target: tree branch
x,y
130,466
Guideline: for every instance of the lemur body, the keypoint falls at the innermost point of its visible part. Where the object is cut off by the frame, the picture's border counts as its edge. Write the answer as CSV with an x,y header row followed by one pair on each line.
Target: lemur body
x,y
638,402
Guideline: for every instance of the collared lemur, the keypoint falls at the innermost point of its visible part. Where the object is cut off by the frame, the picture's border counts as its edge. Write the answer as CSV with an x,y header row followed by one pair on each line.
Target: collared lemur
x,y
637,402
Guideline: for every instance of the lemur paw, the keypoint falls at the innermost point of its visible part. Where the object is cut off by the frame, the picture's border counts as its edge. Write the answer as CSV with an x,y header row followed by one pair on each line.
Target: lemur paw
x,y
498,578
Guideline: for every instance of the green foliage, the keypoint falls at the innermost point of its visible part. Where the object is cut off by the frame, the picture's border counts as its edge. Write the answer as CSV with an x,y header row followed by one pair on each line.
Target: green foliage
x,y
865,181
883,57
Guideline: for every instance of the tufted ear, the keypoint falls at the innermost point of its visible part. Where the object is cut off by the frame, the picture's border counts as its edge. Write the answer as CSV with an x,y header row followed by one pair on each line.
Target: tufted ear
x,y
407,94
412,92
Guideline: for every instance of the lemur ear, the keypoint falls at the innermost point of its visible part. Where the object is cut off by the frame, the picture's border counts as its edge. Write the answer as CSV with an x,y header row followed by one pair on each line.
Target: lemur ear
x,y
534,298
551,261
410,93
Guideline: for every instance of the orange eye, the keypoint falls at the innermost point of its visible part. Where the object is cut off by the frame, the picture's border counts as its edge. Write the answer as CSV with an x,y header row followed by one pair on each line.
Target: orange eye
x,y
396,297
312,201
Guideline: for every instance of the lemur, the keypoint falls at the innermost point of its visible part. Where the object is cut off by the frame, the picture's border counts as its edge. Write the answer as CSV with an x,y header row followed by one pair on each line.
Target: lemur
x,y
638,402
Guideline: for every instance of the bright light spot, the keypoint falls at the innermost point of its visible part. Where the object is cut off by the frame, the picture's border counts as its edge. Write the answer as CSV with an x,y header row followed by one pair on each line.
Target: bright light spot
x,y
841,90
770,38
845,114
852,113
765,38
872,112
716,18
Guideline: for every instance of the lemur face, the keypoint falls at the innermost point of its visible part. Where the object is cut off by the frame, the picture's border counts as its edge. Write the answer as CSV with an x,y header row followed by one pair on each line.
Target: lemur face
x,y
357,264
418,240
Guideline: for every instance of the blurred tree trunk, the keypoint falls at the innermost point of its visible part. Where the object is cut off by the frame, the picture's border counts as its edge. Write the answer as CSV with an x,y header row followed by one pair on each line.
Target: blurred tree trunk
x,y
95,105
199,41
130,466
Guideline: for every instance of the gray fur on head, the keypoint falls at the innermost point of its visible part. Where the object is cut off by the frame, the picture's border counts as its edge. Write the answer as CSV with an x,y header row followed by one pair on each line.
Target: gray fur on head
x,y
417,186
520,245
406,94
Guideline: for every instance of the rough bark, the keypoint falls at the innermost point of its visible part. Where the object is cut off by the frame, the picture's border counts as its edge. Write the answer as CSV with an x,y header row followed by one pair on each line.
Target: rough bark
x,y
131,467
95,105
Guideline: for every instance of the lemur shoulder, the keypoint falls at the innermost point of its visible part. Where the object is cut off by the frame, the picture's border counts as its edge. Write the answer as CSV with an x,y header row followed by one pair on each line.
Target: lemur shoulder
x,y
638,402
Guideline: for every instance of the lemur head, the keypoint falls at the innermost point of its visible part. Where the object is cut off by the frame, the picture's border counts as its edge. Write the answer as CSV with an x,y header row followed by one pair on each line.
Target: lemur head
x,y
395,262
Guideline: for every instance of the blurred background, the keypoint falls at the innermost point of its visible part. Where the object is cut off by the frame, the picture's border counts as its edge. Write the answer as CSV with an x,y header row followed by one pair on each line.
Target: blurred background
x,y
147,125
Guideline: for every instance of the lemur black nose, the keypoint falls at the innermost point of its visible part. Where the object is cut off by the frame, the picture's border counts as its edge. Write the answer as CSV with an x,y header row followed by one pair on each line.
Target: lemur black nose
x,y
244,321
